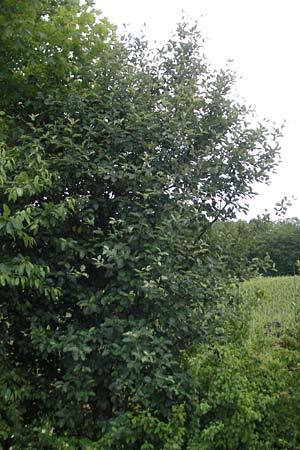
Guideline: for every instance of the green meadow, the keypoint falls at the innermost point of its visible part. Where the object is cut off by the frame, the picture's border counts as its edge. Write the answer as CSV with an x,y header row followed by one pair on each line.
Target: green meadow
x,y
274,307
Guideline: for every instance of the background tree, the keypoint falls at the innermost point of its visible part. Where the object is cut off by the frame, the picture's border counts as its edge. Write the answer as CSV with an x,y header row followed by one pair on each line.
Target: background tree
x,y
115,161
243,247
281,240
259,246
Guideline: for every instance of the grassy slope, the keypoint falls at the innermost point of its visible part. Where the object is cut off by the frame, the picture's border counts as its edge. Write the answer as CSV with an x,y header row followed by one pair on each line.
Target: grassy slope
x,y
275,307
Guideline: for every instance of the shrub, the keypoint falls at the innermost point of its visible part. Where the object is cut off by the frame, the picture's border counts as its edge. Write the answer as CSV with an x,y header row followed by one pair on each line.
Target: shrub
x,y
115,160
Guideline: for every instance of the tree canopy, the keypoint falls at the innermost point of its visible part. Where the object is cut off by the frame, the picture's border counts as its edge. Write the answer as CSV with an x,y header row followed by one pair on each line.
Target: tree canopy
x,y
261,246
115,160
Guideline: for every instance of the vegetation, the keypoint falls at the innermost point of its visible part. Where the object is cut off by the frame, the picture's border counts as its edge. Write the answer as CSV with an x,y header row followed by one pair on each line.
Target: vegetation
x,y
276,306
248,387
280,240
259,246
120,322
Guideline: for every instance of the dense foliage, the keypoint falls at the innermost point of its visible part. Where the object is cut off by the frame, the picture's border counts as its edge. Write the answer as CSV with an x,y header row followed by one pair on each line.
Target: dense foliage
x,y
259,246
115,161
280,240
247,395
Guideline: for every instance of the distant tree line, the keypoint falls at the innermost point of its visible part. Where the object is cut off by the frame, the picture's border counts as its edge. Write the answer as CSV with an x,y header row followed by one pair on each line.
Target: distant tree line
x,y
263,246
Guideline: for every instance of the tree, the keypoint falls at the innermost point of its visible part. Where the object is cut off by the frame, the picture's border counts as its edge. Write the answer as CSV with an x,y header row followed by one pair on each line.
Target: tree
x,y
115,161
244,247
259,246
280,240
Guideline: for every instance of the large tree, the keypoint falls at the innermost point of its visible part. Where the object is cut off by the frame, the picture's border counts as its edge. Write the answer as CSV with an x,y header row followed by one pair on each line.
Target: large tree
x,y
115,161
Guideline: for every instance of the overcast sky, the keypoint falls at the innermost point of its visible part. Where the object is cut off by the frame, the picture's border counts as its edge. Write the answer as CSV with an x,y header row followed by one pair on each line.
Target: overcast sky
x,y
262,37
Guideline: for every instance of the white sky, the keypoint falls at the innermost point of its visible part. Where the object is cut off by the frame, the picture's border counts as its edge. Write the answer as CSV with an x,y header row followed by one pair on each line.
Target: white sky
x,y
262,37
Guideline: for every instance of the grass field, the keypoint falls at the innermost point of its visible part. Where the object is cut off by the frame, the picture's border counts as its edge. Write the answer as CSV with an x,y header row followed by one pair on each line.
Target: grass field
x,y
275,307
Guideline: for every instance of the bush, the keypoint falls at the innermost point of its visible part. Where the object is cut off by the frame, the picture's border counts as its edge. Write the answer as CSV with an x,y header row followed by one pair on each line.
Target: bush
x,y
115,160
247,394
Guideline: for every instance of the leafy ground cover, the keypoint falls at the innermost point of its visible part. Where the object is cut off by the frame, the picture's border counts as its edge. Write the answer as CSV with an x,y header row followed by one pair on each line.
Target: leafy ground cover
x,y
249,386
